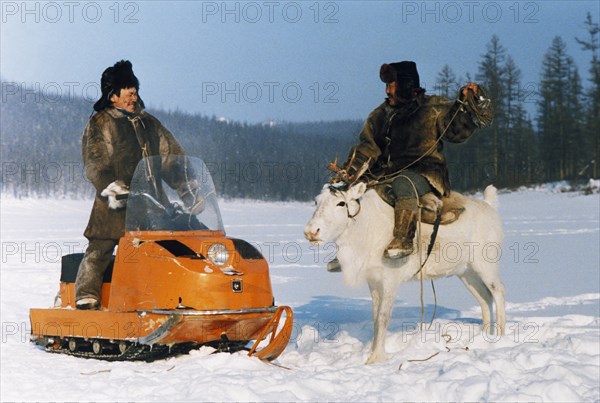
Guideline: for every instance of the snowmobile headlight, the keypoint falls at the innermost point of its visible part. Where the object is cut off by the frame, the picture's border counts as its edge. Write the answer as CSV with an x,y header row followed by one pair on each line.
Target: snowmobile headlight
x,y
218,253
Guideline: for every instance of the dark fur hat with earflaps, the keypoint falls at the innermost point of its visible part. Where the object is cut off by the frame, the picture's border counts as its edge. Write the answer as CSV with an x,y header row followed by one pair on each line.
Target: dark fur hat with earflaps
x,y
399,71
113,80
406,77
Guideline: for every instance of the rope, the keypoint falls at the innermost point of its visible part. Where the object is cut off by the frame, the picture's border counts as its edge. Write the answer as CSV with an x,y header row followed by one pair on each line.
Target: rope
x,y
483,117
145,153
418,243
482,113
470,100
188,189
429,249
390,177
434,304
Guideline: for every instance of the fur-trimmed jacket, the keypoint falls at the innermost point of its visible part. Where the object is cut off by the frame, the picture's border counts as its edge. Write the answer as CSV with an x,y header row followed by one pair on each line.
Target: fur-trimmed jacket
x,y
111,149
406,137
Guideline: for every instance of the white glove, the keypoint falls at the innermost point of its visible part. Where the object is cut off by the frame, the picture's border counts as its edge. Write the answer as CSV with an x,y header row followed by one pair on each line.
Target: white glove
x,y
116,188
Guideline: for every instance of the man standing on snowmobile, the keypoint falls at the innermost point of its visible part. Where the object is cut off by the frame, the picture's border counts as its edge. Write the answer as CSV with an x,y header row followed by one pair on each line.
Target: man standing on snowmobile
x,y
401,139
115,139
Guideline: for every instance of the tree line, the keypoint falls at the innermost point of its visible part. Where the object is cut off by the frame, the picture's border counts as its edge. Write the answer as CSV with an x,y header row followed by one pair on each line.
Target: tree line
x,y
41,150
559,141
41,138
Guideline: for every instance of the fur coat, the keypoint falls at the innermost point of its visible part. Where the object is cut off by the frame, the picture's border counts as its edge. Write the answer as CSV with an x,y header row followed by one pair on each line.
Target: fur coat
x,y
405,137
111,149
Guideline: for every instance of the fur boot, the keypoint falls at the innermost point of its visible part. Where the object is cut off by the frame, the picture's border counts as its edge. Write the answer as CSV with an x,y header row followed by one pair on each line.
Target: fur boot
x,y
405,226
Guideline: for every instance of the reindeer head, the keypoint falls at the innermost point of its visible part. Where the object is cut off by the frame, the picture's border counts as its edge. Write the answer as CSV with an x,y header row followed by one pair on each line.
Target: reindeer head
x,y
337,204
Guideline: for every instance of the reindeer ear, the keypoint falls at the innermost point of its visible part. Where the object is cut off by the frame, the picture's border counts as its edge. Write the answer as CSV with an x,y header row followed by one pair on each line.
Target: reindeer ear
x,y
357,190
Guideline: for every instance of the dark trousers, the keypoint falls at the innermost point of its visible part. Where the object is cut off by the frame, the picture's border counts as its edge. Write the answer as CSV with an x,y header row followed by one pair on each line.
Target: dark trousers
x,y
405,191
91,270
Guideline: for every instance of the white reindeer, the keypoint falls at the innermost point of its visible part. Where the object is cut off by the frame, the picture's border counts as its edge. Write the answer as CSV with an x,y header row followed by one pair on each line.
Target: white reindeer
x,y
361,223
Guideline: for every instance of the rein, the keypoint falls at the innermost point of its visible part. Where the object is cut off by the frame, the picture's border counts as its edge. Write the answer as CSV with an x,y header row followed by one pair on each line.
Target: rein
x,y
482,114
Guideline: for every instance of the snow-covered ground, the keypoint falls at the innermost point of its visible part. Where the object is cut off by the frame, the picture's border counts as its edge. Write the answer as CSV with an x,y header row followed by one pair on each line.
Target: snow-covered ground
x,y
550,266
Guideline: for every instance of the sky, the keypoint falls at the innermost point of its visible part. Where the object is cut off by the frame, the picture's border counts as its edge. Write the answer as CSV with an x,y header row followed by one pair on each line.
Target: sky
x,y
255,61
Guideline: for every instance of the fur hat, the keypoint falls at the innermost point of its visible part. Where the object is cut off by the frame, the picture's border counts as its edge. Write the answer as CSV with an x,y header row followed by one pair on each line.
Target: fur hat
x,y
400,71
406,77
113,80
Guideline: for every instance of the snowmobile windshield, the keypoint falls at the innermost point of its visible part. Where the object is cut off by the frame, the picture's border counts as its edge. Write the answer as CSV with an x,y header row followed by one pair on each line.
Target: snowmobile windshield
x,y
172,193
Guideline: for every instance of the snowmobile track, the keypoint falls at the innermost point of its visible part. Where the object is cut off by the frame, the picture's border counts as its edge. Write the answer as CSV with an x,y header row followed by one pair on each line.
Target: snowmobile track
x,y
137,352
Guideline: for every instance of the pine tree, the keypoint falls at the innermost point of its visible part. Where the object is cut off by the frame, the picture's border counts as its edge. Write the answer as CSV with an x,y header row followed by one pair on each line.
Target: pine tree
x,y
518,141
573,152
446,84
590,149
560,91
492,74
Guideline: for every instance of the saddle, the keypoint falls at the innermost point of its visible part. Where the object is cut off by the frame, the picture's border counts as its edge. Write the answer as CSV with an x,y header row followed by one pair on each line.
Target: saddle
x,y
447,208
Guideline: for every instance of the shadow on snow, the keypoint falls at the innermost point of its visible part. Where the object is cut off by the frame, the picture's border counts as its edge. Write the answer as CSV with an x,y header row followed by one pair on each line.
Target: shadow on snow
x,y
330,315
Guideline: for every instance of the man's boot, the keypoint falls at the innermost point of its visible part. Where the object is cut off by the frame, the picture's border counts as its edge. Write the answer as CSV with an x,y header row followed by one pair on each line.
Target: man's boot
x,y
405,226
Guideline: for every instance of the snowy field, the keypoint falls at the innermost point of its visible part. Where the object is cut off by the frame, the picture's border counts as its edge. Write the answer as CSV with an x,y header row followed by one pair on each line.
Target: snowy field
x,y
549,264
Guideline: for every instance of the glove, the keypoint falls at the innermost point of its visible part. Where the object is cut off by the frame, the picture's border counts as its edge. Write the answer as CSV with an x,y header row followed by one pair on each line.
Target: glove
x,y
476,101
117,193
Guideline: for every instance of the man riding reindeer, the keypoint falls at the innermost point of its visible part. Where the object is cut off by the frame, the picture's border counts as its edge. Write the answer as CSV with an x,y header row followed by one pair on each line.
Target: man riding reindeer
x,y
401,145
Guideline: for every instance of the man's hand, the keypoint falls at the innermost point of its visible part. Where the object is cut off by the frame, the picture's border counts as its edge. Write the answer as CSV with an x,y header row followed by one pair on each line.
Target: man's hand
x,y
117,193
475,100
470,86
198,206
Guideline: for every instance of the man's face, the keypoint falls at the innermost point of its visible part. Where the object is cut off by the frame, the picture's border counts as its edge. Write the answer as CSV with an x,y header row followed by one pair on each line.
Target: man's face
x,y
390,91
126,100
404,87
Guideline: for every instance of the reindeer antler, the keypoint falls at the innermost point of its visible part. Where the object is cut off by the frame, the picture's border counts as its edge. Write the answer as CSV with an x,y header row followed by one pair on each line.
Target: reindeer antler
x,y
342,174
333,166
338,173
364,167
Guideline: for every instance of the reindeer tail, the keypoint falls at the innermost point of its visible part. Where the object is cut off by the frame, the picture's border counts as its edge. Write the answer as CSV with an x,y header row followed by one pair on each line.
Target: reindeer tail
x,y
490,195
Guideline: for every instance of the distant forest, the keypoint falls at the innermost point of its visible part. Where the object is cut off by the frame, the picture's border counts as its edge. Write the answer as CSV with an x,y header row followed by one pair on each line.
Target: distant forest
x,y
41,137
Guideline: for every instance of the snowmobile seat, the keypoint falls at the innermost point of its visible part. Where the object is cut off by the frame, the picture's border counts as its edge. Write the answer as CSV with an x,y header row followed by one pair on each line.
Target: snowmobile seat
x,y
70,267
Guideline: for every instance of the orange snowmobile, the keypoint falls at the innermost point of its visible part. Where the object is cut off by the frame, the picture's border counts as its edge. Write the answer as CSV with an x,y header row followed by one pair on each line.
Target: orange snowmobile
x,y
176,282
